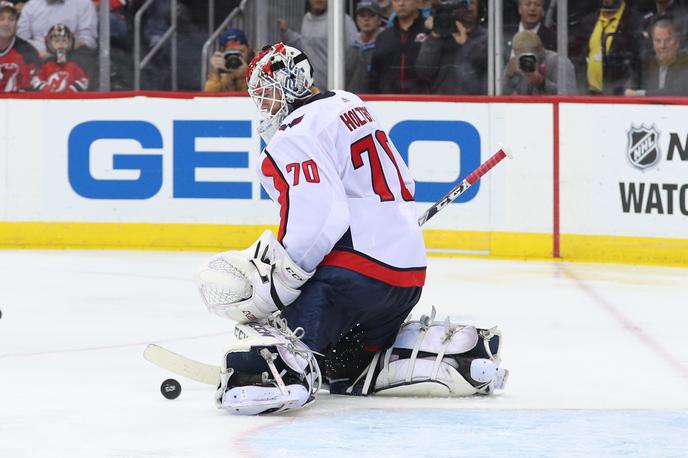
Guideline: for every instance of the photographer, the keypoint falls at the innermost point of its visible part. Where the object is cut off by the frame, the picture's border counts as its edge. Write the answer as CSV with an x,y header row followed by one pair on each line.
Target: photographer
x,y
228,66
533,69
453,58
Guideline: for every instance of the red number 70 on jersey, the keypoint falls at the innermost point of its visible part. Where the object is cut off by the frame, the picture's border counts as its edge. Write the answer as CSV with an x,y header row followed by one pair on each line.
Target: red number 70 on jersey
x,y
364,145
310,171
379,182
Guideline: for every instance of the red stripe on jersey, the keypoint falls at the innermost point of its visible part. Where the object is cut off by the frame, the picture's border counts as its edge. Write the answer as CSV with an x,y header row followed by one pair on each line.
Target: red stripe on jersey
x,y
270,170
375,269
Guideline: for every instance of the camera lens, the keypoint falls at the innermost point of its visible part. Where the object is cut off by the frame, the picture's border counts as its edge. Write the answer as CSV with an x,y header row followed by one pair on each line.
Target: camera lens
x,y
527,62
233,60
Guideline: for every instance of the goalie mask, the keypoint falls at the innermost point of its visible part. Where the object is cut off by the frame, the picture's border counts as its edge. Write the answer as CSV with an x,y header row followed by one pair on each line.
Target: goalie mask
x,y
279,78
59,42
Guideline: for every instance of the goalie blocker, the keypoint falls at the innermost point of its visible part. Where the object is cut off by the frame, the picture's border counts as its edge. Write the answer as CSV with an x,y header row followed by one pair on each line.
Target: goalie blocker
x,y
250,284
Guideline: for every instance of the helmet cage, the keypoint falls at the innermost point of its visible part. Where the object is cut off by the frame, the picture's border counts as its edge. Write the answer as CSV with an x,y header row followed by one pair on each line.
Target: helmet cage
x,y
269,98
59,30
278,77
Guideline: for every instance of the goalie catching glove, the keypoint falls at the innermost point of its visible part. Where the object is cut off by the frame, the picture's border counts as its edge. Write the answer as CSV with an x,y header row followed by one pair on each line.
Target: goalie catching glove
x,y
251,284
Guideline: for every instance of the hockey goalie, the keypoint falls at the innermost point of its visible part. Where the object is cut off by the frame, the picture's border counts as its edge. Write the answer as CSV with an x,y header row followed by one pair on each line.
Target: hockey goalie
x,y
324,303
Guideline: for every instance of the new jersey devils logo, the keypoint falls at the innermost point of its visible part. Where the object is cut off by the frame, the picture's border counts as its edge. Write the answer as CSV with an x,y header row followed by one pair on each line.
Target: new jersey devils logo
x,y
58,81
8,76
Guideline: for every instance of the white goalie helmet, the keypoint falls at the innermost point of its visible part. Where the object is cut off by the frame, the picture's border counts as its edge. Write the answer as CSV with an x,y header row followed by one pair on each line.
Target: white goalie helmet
x,y
278,77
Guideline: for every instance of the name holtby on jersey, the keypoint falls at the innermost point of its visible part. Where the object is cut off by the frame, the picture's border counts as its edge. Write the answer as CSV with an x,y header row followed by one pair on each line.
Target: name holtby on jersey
x,y
356,117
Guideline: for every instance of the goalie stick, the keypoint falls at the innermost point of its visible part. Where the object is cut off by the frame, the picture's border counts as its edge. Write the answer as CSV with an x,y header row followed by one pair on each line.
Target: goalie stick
x,y
460,188
181,365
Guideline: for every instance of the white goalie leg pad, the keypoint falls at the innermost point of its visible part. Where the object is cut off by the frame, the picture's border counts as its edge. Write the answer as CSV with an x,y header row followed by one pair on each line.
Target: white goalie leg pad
x,y
255,400
431,358
291,380
251,284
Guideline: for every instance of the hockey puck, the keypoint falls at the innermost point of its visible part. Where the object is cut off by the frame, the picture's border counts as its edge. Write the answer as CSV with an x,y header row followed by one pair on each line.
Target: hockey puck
x,y
171,388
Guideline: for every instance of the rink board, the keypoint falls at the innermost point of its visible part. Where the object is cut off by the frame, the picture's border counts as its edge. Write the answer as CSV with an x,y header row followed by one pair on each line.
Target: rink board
x,y
178,173
624,182
166,173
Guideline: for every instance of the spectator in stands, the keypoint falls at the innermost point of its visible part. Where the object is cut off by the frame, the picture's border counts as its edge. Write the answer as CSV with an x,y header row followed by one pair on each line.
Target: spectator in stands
x,y
425,7
531,13
661,9
19,5
577,10
156,20
360,53
119,27
228,66
313,38
17,57
454,60
392,66
59,73
673,8
606,48
533,69
385,6
666,73
39,15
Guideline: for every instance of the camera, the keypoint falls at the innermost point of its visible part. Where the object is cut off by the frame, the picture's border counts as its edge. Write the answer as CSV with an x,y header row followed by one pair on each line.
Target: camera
x,y
233,59
527,62
444,16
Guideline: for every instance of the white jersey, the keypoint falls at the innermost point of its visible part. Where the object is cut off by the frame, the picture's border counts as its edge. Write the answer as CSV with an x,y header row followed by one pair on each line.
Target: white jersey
x,y
344,192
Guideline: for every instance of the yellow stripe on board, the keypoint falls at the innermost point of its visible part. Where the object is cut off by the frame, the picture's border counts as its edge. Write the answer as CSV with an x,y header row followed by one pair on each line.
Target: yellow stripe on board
x,y
125,236
629,250
498,244
218,237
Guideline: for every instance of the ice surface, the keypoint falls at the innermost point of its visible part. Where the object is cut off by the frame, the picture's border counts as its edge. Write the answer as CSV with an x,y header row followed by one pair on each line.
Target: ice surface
x,y
598,356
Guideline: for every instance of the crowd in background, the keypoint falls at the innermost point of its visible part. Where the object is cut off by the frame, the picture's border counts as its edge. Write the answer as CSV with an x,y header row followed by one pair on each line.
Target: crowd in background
x,y
615,47
25,43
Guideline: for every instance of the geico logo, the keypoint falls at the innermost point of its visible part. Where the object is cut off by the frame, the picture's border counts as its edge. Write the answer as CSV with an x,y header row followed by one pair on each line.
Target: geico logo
x,y
460,138
444,150
186,159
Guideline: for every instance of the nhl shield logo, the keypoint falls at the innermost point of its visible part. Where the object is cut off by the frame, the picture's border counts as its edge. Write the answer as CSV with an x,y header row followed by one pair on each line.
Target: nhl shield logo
x,y
643,146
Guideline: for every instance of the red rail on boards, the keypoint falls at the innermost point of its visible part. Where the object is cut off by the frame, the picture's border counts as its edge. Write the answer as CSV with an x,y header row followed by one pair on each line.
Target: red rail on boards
x,y
368,97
